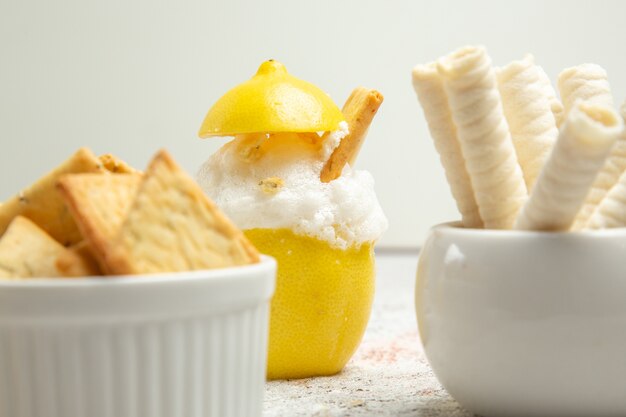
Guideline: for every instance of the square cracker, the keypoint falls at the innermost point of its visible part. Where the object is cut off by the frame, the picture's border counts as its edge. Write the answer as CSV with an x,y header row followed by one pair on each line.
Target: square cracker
x,y
42,203
173,226
99,204
27,251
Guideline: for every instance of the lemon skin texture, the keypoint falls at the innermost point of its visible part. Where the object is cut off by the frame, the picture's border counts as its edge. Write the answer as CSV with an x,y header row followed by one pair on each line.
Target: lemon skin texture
x,y
272,101
321,305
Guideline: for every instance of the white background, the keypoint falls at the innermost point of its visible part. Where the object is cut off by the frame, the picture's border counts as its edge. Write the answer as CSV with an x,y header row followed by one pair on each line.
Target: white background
x,y
129,77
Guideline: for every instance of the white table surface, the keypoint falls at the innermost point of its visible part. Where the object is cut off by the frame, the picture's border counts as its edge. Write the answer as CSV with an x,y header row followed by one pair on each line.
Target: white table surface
x,y
388,375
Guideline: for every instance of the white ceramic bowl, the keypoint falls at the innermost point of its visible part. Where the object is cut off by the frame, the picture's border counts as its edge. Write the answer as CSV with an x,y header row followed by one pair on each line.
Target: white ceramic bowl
x,y
185,344
526,323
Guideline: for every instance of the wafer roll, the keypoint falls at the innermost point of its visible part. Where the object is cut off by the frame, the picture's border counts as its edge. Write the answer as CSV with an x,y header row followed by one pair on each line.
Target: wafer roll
x,y
548,90
606,179
470,83
587,135
586,82
611,212
528,112
432,97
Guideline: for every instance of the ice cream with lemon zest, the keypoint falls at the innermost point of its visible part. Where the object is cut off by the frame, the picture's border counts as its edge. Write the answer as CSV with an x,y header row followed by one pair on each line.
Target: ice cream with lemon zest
x,y
344,212
285,180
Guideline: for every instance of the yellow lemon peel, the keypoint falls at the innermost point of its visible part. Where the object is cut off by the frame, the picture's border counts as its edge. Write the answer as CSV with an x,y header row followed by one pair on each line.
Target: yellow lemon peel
x,y
321,305
272,101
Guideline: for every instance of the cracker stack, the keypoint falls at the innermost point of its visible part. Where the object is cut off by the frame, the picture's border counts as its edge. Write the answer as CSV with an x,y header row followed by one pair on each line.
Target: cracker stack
x,y
94,216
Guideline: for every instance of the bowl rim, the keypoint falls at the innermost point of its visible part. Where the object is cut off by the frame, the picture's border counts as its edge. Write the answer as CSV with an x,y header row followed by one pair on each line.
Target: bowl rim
x,y
456,228
98,281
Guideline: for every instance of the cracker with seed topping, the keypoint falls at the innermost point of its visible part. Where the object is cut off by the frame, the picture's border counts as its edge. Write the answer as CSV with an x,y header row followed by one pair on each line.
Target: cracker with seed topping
x,y
27,251
99,204
42,203
173,226
78,261
115,165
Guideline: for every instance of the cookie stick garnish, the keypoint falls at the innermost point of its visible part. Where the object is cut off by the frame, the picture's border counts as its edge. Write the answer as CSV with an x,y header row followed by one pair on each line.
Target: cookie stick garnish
x,y
528,112
359,110
587,135
470,84
432,97
586,82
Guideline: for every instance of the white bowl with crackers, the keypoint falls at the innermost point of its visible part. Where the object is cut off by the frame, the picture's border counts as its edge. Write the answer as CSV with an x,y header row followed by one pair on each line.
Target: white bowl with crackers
x,y
128,294
522,303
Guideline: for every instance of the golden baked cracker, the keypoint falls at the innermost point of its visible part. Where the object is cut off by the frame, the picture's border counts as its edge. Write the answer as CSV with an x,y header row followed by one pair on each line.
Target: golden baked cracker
x,y
27,251
115,165
78,261
359,110
173,226
42,203
99,204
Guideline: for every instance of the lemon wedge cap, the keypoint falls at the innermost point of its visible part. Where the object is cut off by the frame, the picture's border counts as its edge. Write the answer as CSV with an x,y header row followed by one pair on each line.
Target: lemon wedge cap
x,y
272,101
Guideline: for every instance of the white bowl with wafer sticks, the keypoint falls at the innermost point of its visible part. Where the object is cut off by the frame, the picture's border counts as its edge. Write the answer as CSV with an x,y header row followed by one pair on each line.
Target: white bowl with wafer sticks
x,y
125,293
521,304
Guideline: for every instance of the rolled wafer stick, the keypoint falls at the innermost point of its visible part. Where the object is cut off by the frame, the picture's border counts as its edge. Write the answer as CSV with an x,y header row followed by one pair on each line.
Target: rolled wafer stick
x,y
611,212
359,110
432,97
470,84
528,112
587,82
587,135
606,179
548,90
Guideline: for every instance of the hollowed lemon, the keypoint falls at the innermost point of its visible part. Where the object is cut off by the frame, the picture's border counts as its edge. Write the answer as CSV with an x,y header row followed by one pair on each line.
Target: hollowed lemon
x,y
321,305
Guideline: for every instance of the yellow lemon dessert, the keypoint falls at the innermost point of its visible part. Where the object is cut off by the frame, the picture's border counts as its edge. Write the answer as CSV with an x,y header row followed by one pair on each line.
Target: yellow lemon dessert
x,y
286,180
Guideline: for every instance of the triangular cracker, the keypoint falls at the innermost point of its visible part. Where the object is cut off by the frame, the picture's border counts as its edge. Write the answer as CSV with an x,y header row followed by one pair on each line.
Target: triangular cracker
x,y
99,204
27,251
115,165
42,204
78,261
173,226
